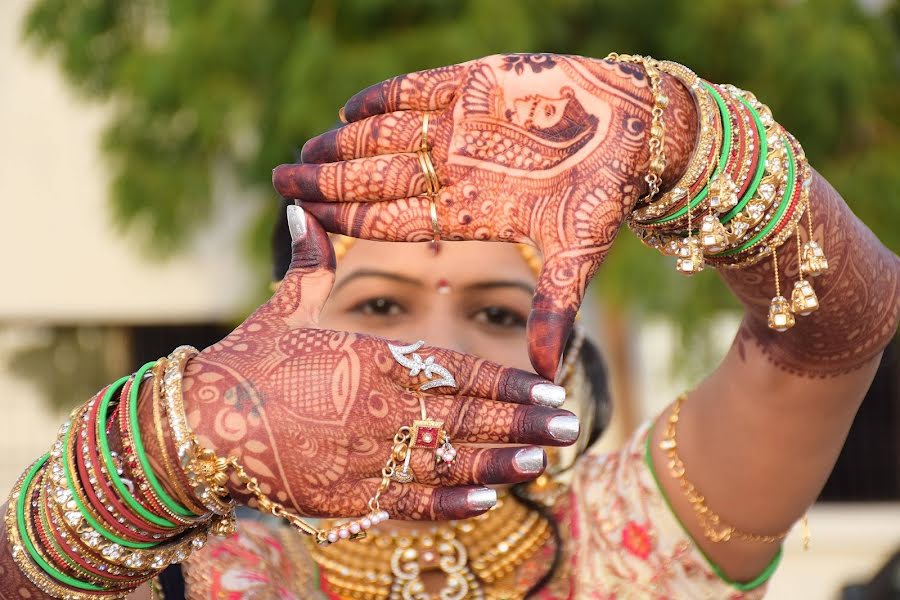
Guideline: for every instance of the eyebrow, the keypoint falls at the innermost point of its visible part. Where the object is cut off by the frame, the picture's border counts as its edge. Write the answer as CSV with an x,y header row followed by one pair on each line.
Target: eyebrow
x,y
364,273
510,283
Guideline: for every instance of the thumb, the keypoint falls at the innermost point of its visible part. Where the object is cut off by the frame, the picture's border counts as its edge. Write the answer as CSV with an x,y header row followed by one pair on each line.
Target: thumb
x,y
557,298
310,277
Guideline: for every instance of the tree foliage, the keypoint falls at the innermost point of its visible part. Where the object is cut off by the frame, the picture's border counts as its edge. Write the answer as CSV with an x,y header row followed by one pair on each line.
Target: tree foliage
x,y
195,86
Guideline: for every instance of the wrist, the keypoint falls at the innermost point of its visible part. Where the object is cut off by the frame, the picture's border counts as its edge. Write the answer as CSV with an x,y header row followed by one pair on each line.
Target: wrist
x,y
202,386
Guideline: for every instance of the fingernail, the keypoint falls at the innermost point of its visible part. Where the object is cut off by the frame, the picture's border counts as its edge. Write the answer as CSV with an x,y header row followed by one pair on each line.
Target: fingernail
x,y
341,115
296,222
564,428
529,460
481,499
548,394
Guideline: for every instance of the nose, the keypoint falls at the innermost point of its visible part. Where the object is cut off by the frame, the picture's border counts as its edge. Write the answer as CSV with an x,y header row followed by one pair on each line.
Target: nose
x,y
441,330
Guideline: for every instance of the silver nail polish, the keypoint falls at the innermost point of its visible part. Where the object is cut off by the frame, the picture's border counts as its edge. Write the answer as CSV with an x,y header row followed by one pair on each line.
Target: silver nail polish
x,y
548,394
296,222
564,428
481,499
529,460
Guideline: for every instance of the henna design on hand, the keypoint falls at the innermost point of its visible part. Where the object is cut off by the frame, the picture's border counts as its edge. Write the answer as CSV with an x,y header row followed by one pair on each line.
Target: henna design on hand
x,y
536,148
311,412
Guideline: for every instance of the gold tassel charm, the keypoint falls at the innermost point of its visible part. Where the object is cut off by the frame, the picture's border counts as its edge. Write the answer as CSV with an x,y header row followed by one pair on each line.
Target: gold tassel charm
x,y
803,298
723,193
713,235
812,259
690,257
780,316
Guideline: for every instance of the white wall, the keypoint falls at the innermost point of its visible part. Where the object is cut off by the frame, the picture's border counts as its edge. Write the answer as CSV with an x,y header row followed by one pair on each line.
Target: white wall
x,y
58,249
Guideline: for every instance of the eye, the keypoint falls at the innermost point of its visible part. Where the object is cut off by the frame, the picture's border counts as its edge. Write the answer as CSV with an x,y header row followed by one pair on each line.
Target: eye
x,y
379,307
499,316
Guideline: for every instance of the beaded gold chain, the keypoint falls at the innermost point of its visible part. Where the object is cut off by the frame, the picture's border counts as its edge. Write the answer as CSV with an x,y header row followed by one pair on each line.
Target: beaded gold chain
x,y
714,529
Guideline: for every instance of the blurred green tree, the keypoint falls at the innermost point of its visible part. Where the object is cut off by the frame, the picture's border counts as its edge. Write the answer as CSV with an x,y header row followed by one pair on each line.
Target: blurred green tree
x,y
196,86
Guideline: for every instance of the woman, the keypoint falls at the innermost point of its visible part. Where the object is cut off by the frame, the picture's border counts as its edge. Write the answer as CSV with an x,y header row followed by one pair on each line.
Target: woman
x,y
546,149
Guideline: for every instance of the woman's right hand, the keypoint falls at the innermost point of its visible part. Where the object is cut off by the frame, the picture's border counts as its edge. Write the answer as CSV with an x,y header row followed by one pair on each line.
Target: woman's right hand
x,y
311,413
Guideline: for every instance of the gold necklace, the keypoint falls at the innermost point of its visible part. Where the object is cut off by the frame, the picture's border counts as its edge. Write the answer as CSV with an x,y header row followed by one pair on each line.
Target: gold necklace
x,y
477,557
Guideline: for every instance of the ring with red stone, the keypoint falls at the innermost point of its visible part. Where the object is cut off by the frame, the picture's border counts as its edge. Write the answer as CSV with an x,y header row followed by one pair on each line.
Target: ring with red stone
x,y
429,434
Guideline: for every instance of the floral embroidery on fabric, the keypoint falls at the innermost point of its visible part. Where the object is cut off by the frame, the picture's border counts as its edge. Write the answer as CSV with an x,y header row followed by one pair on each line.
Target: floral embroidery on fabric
x,y
630,545
620,541
636,540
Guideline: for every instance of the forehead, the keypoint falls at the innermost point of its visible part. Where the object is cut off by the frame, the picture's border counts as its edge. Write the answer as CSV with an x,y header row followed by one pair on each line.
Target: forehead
x,y
461,261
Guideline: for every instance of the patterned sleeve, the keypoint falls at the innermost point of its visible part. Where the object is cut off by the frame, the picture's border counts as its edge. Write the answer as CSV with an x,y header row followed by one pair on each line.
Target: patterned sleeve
x,y
628,541
260,561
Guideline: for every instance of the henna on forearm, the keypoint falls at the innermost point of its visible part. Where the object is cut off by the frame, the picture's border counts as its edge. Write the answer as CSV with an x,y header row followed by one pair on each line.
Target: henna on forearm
x,y
13,583
859,296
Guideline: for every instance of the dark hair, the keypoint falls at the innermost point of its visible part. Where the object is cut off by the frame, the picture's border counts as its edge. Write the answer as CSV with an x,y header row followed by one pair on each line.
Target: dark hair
x,y
594,367
589,358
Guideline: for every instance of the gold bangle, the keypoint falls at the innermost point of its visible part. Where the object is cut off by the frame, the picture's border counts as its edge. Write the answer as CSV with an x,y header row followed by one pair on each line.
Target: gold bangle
x,y
709,139
213,497
33,572
183,496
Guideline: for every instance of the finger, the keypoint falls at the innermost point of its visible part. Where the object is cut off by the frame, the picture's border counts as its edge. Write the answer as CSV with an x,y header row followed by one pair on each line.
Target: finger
x,y
486,466
423,368
406,220
310,277
477,421
423,90
557,298
389,133
372,179
416,502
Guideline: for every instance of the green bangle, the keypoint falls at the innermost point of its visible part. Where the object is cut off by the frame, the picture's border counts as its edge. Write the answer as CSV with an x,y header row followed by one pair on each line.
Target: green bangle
x,y
110,465
723,158
760,166
785,201
81,508
29,545
166,499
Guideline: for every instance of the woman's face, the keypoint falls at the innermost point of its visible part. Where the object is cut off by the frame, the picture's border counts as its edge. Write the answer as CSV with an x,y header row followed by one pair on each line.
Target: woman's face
x,y
469,296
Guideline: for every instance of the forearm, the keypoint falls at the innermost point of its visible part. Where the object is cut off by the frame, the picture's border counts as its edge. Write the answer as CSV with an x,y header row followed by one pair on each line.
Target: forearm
x,y
759,436
14,585
859,296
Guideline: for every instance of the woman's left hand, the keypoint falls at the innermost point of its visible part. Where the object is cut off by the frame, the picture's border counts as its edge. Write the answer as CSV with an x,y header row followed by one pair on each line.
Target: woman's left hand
x,y
543,149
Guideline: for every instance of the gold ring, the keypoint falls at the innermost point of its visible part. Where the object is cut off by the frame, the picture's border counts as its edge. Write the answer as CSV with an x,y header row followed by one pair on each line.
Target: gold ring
x,y
424,145
424,162
435,227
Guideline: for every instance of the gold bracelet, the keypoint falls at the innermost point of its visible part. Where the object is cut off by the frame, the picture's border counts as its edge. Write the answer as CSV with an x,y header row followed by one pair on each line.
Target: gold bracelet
x,y
657,165
709,139
713,527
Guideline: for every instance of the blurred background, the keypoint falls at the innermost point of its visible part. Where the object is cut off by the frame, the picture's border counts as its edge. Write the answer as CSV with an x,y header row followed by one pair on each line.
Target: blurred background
x,y
138,142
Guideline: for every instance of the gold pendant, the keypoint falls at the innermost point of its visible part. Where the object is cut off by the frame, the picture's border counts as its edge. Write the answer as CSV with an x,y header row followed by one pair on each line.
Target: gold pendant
x,y
812,259
713,236
690,257
803,298
780,316
722,193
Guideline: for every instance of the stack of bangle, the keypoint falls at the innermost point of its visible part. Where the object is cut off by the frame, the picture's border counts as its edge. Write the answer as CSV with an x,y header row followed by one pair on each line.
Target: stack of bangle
x,y
741,197
91,519
85,521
